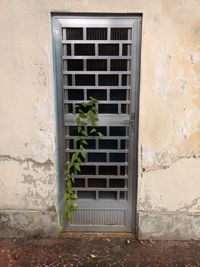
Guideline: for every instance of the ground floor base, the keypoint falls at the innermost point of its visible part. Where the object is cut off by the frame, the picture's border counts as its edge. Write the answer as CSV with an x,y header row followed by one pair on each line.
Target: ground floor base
x,y
150,225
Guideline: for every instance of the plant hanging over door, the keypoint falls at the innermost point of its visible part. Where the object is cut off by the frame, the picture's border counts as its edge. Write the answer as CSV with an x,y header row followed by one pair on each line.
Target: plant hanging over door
x,y
86,123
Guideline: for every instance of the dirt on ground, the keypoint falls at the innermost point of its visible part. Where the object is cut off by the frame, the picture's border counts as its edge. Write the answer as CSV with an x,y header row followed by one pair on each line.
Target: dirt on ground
x,y
98,252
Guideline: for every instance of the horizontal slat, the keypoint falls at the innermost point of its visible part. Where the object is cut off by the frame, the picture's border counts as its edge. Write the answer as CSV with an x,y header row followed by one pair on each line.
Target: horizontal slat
x,y
95,176
112,189
102,163
98,22
103,119
95,87
101,137
99,102
96,42
97,72
99,150
96,57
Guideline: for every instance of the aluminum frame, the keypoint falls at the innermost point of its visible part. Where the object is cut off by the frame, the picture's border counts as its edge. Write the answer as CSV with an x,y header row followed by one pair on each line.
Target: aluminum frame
x,y
60,21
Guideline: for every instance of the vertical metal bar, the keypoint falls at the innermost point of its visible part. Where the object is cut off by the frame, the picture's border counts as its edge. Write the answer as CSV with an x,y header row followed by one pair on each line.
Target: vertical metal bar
x,y
84,64
86,182
85,94
84,33
108,94
109,33
97,170
120,49
119,107
64,33
118,170
107,156
96,79
120,80
108,64
73,108
72,49
118,144
107,182
96,49
73,79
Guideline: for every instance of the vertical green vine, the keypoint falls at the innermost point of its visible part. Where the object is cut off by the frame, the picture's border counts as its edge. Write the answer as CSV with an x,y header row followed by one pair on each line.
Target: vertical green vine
x,y
86,123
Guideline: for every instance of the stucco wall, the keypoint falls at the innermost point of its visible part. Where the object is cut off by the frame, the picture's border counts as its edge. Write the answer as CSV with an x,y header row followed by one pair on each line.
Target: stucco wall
x,y
169,129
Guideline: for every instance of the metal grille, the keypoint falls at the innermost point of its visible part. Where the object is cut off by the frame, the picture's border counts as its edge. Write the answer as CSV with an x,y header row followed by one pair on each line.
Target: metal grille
x,y
107,156
97,61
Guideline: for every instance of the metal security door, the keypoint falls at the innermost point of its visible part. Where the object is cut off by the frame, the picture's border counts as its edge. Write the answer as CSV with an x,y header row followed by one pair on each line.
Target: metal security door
x,y
99,57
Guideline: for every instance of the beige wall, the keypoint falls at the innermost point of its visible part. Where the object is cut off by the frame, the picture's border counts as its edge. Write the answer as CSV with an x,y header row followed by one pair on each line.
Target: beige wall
x,y
169,129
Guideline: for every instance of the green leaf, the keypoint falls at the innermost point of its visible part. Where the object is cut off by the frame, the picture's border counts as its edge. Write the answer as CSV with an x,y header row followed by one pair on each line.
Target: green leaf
x,y
74,196
68,206
78,120
77,138
69,216
75,206
84,142
66,196
68,168
74,157
90,113
77,166
72,176
83,153
79,129
83,123
94,100
84,132
93,130
78,159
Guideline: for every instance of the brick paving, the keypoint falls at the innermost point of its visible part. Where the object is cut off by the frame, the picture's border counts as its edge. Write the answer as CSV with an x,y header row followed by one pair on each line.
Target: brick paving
x,y
98,252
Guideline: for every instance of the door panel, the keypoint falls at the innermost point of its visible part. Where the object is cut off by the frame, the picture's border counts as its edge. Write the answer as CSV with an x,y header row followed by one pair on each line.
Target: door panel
x,y
99,58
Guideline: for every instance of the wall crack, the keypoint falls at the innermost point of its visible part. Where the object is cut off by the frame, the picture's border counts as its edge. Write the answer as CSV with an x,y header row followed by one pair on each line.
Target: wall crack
x,y
21,160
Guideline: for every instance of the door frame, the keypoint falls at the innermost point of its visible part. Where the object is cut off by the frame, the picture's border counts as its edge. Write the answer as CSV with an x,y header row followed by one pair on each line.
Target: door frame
x,y
59,107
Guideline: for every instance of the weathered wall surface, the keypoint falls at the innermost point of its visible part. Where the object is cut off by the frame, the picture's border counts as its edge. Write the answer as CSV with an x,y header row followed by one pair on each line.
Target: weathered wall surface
x,y
169,130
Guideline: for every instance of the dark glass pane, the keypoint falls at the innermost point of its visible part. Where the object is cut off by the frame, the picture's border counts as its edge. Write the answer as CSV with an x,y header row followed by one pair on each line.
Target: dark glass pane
x,y
117,183
84,49
117,131
108,50
96,183
117,157
118,65
97,64
107,195
74,33
98,94
75,64
118,94
79,182
108,108
119,34
96,157
96,33
106,80
108,144
108,170
84,79
86,194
